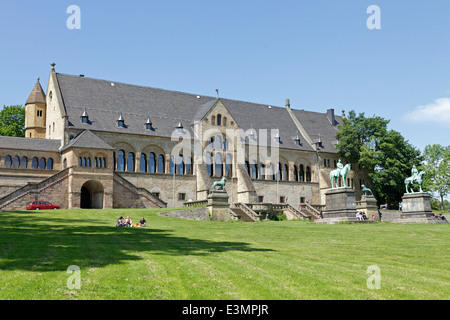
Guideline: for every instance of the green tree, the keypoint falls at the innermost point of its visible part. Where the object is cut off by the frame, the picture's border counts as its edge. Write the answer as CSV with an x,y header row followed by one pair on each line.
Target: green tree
x,y
12,121
437,166
384,154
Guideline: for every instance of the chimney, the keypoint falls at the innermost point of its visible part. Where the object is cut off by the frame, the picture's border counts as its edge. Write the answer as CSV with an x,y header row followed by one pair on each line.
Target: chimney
x,y
330,116
287,104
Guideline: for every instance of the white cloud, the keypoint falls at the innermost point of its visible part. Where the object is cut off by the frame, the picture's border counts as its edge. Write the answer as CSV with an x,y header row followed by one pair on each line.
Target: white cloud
x,y
435,112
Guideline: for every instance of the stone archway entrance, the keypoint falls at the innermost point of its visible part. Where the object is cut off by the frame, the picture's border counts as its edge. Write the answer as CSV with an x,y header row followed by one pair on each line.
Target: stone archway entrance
x,y
92,194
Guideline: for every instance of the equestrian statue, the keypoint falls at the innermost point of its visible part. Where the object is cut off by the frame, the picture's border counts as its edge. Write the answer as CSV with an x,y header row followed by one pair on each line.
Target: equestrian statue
x,y
416,178
340,172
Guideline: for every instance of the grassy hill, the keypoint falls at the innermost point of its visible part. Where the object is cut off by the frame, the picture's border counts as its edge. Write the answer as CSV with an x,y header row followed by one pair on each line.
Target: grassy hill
x,y
180,259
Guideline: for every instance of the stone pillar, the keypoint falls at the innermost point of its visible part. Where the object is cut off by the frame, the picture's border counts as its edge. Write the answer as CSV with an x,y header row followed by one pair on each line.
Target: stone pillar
x,y
218,205
417,209
341,206
368,204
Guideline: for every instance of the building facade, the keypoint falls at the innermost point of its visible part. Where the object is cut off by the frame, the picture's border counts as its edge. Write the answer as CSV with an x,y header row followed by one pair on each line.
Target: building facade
x,y
92,143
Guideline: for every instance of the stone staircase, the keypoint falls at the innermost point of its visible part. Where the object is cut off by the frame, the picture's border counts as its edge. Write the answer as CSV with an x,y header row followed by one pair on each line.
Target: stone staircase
x,y
136,197
17,200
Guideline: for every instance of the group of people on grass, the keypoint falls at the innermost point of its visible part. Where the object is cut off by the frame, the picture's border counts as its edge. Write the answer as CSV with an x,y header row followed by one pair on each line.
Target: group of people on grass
x,y
121,222
439,216
361,215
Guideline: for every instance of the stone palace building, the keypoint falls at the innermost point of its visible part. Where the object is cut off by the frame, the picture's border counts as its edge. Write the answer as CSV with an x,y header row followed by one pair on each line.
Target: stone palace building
x,y
94,143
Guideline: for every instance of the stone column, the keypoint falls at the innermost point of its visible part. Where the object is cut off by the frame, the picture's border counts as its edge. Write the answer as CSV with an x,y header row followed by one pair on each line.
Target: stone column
x,y
341,206
417,209
218,205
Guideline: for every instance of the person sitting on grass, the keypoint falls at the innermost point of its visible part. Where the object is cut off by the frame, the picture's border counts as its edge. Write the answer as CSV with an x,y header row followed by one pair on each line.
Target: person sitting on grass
x,y
128,222
142,222
120,222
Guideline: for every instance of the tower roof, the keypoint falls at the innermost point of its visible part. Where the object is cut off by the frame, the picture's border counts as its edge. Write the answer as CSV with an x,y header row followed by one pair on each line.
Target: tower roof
x,y
37,95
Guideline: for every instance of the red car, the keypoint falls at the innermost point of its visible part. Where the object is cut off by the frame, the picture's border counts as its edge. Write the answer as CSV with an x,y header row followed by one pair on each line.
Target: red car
x,y
41,205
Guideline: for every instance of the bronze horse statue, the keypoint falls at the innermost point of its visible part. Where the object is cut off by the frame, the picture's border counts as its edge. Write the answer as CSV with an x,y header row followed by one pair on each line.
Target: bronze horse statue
x,y
335,174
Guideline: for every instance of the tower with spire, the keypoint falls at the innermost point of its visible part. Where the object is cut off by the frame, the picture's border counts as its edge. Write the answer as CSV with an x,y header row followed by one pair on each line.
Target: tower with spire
x,y
35,113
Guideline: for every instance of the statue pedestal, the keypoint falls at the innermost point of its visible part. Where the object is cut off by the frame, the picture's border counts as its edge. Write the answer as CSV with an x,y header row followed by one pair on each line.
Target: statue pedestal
x,y
341,206
417,209
218,205
368,204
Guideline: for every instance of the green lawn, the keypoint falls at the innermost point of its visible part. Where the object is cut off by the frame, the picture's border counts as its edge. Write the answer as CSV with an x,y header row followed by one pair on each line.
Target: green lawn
x,y
181,259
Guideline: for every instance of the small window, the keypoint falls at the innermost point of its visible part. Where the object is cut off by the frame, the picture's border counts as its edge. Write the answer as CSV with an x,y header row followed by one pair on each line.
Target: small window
x,y
8,162
260,198
182,196
156,194
282,199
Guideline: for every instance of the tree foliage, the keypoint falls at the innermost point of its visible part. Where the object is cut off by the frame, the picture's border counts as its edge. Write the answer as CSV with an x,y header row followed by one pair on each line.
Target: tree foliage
x,y
384,154
437,166
12,121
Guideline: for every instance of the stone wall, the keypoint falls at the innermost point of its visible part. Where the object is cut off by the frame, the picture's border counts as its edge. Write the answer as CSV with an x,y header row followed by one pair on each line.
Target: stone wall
x,y
191,214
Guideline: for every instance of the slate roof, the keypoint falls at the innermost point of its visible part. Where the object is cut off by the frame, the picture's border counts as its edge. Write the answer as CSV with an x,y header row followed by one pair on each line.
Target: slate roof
x,y
318,126
105,101
87,139
37,95
19,143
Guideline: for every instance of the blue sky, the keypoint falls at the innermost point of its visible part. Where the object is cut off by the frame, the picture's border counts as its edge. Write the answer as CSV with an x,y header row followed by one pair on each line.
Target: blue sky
x,y
319,54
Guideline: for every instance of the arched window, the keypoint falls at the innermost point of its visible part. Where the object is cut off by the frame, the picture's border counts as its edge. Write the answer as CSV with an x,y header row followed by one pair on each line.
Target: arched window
x,y
96,163
225,121
247,167
188,163
172,165
295,173
219,120
121,160
218,143
42,163
180,164
254,170
24,163
209,163
8,162
152,162
228,165
308,174
103,162
50,164
143,163
218,165
279,172
130,162
302,173
262,171
88,162
213,120
161,164
35,163
286,172
271,172
65,163
16,162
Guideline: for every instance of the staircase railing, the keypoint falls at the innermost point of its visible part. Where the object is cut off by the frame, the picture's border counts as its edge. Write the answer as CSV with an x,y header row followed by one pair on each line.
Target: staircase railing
x,y
310,209
252,214
142,191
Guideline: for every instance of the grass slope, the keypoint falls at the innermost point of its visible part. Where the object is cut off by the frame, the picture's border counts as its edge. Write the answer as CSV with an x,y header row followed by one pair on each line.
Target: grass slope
x,y
181,259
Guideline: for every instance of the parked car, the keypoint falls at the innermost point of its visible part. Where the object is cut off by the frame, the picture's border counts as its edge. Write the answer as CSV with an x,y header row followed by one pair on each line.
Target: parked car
x,y
41,205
